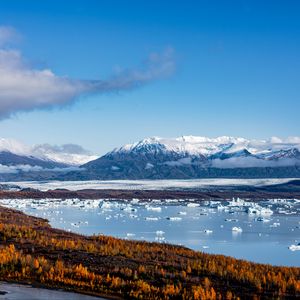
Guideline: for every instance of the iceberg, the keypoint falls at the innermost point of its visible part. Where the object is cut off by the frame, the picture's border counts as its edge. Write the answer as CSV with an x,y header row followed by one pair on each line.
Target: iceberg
x,y
153,208
237,229
160,232
151,219
295,247
174,218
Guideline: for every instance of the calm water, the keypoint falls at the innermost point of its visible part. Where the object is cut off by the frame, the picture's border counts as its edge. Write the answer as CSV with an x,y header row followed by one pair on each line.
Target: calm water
x,y
24,292
259,241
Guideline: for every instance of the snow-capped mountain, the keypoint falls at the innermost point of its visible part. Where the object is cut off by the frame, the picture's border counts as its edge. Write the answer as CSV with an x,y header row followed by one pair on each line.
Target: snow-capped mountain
x,y
154,158
21,162
68,154
194,145
194,157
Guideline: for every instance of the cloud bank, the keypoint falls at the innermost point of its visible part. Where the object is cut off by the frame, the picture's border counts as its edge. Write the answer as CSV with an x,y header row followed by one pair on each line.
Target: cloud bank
x,y
28,168
65,149
69,153
24,88
253,162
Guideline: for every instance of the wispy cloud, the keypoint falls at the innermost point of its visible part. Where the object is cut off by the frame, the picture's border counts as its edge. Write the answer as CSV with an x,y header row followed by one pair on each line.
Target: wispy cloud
x,y
253,162
24,88
4,169
7,34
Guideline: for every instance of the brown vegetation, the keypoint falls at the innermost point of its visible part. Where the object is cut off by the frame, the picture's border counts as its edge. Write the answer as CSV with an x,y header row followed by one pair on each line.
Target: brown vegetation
x,y
33,252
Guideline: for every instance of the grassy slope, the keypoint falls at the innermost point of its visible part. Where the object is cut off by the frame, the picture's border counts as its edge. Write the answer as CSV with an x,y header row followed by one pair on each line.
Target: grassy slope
x,y
33,252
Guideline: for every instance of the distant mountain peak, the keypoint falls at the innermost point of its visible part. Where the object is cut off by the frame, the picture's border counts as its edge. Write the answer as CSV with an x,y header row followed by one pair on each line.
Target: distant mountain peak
x,y
196,157
68,154
195,145
183,157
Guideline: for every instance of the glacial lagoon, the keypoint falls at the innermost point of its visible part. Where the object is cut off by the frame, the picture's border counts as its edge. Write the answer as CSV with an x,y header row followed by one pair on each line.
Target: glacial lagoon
x,y
9,291
227,228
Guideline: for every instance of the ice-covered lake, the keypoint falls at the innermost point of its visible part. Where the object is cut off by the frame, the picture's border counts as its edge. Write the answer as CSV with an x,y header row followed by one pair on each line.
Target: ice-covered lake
x,y
260,233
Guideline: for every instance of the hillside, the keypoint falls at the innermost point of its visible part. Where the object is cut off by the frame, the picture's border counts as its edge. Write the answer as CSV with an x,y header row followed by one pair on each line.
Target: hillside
x,y
33,252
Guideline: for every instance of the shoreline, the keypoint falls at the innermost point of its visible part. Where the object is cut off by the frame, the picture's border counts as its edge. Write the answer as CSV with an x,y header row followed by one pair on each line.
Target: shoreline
x,y
255,194
37,285
125,268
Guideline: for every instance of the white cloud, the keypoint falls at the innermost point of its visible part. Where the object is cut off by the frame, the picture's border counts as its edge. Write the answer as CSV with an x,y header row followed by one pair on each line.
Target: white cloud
x,y
293,140
179,162
275,140
28,168
23,87
69,153
252,162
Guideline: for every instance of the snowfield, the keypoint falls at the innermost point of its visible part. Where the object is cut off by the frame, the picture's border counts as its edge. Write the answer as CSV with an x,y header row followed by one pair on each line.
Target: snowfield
x,y
146,184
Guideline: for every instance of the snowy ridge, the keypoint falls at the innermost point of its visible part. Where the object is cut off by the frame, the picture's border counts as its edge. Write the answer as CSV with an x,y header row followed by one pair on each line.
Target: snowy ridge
x,y
188,157
197,145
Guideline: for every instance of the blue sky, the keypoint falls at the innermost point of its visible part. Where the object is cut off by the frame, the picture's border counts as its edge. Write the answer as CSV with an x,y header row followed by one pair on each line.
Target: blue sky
x,y
237,69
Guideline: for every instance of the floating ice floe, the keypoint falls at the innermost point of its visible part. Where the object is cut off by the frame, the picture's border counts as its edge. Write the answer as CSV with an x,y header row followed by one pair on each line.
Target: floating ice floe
x,y
135,201
130,234
237,205
262,219
151,218
231,220
275,224
295,247
259,210
129,209
153,208
171,200
174,218
159,232
221,207
183,213
286,212
105,205
237,229
132,216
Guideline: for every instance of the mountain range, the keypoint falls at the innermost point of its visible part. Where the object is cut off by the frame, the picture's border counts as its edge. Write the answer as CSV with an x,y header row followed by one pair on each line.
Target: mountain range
x,y
189,157
184,157
39,162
